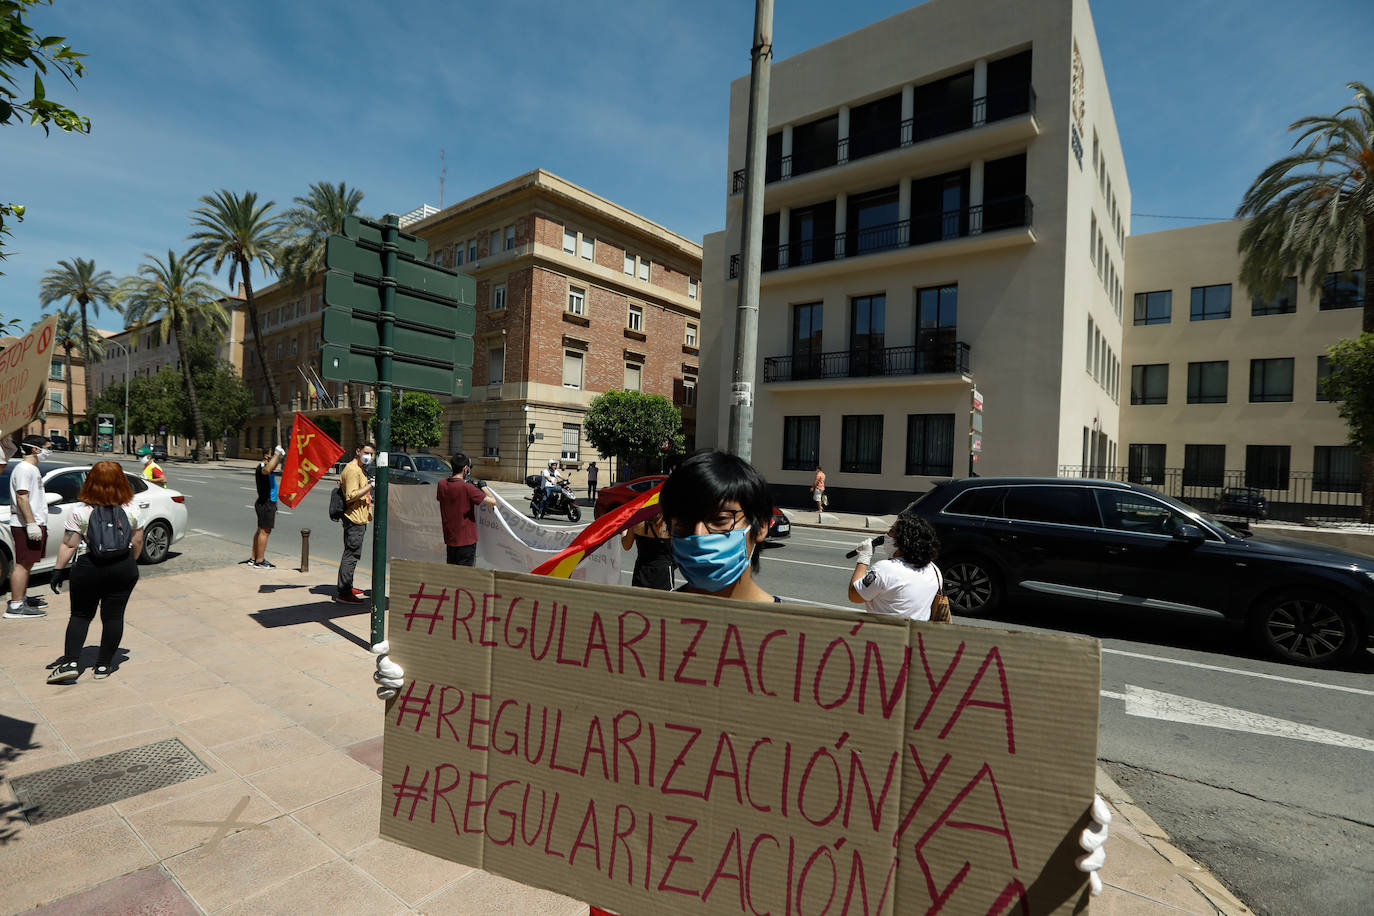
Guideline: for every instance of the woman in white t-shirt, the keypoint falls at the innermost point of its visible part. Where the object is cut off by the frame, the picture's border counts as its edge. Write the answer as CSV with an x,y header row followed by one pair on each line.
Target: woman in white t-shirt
x,y
905,585
103,582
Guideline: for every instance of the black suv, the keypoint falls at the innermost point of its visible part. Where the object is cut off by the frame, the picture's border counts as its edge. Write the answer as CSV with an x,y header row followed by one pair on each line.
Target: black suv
x,y
1127,545
1246,502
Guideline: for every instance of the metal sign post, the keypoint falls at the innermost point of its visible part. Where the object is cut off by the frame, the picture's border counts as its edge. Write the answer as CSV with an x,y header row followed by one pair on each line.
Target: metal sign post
x,y
391,318
975,431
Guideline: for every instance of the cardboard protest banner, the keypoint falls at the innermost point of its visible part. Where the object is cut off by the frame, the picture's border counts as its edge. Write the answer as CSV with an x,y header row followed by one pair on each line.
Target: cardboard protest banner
x,y
310,453
506,539
653,752
24,367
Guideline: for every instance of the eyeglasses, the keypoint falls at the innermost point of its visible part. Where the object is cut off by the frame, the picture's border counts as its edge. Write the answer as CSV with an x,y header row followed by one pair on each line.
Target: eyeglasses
x,y
719,522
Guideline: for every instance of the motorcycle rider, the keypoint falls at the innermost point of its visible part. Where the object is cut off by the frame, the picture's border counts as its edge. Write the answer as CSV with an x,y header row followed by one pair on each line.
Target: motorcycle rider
x,y
547,483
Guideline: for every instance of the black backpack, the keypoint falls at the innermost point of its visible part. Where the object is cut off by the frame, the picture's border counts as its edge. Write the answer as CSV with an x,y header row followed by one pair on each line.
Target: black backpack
x,y
336,504
109,533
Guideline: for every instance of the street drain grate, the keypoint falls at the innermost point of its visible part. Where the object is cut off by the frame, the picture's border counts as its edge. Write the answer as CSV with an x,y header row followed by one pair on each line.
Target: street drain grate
x,y
73,787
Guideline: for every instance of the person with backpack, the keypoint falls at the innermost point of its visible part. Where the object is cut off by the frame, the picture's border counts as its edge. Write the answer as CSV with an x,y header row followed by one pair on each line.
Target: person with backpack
x,y
356,491
109,523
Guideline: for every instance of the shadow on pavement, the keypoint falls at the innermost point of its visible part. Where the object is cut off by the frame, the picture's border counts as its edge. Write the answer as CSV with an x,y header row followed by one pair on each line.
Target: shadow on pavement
x,y
323,614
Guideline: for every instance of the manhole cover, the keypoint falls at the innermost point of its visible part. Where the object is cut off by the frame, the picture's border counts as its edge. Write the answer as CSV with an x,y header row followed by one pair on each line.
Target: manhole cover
x,y
72,787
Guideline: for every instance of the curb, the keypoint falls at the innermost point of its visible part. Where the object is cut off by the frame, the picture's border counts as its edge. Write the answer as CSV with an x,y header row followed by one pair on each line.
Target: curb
x,y
1197,875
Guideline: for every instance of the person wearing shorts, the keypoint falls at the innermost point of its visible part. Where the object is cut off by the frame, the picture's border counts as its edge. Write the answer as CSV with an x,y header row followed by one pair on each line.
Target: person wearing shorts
x,y
28,527
265,506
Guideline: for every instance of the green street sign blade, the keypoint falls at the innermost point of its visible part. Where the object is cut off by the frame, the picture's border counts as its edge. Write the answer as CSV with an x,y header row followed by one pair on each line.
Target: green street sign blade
x,y
412,377
348,292
362,329
367,230
340,363
415,276
337,364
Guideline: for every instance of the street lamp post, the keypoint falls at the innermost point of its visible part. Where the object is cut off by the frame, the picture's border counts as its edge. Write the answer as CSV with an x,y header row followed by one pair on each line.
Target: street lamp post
x,y
114,343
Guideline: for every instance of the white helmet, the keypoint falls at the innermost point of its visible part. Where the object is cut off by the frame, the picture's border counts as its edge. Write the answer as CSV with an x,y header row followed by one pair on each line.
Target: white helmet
x,y
553,462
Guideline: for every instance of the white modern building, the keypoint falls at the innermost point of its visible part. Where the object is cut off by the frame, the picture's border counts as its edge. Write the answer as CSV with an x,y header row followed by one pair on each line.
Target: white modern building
x,y
945,208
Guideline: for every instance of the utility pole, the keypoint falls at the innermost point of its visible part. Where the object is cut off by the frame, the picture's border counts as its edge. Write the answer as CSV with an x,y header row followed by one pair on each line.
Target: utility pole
x,y
741,440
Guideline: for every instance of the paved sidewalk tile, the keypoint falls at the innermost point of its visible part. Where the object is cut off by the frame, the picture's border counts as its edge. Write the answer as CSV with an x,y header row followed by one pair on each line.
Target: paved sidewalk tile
x,y
484,894
147,892
61,865
407,873
336,888
348,820
246,861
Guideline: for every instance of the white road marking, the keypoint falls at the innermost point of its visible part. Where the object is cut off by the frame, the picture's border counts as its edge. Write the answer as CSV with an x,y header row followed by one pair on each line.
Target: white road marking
x,y
1267,677
1152,704
204,532
800,540
773,559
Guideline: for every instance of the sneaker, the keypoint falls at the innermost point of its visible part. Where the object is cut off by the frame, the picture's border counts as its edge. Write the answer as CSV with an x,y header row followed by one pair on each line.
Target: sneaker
x,y
63,673
353,598
36,602
102,672
23,612
265,563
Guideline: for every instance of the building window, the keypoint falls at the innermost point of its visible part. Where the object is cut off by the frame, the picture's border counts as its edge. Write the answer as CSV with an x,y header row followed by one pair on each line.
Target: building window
x,y
1211,302
498,297
55,370
279,349
491,439
496,365
472,250
807,322
55,400
1154,308
1204,465
293,346
572,369
493,242
1342,290
1266,466
1207,382
1336,469
458,255
1271,380
635,321
1092,240
689,391
588,248
569,241
510,238
644,269
572,438
633,377
1323,372
1285,303
455,436
629,264
691,338
577,301
691,289
1145,463
1150,384
861,449
930,444
801,443
1092,346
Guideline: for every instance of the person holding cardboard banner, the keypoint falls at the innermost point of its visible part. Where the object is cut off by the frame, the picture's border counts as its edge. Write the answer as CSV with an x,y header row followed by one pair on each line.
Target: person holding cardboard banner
x,y
718,507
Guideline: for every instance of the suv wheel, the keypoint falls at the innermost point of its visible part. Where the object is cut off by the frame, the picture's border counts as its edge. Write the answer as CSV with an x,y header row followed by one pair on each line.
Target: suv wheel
x,y
1306,628
972,586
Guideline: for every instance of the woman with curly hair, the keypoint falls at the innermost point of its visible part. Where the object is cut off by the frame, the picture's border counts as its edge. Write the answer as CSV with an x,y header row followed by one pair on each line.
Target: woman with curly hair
x,y
905,585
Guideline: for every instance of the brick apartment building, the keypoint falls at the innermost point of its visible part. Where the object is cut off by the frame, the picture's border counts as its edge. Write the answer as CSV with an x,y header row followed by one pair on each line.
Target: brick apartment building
x,y
575,296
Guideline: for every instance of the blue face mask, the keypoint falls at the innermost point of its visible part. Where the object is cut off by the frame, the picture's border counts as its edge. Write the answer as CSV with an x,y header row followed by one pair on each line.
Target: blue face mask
x,y
712,562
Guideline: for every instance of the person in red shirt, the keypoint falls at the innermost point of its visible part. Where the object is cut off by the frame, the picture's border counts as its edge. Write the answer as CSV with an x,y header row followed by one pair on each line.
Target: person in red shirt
x,y
459,498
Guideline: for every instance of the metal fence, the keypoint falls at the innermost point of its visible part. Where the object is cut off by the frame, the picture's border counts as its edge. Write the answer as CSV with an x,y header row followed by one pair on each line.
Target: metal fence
x,y
1300,496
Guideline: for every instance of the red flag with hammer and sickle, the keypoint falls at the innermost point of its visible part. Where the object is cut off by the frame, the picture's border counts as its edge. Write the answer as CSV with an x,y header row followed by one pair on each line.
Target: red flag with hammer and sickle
x,y
308,455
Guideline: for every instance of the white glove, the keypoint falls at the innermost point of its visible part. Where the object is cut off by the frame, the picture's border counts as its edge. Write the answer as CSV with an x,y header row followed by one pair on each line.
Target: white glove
x,y
279,450
863,552
34,531
389,675
1093,841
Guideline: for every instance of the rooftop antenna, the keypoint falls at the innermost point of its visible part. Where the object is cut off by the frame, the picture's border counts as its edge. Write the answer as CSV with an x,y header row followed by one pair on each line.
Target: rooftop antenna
x,y
443,170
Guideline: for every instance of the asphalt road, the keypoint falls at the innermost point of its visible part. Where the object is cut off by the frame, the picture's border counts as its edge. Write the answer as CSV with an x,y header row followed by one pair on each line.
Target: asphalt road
x,y
1258,769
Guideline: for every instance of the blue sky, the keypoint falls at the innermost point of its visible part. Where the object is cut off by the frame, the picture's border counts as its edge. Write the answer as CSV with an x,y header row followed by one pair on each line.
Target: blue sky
x,y
627,99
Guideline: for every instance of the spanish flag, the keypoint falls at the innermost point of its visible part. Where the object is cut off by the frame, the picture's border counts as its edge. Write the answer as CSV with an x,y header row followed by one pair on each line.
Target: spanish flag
x,y
561,564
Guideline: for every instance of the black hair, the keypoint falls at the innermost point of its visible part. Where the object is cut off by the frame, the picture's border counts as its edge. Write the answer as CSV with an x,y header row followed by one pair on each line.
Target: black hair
x,y
368,443
708,479
916,540
35,441
459,461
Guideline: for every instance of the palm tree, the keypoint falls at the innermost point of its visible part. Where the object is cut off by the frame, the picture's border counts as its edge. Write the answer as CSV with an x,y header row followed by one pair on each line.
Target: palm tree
x,y
69,335
78,281
312,220
1312,212
235,228
175,296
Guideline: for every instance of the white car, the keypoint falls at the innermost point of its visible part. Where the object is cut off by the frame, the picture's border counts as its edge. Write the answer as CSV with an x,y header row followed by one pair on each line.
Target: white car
x,y
164,514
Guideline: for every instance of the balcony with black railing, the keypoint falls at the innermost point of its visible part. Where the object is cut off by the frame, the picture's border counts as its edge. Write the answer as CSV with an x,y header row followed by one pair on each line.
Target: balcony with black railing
x,y
928,124
923,228
944,357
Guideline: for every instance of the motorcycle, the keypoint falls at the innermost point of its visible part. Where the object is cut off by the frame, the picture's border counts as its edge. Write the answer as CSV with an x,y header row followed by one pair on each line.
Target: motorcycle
x,y
559,500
